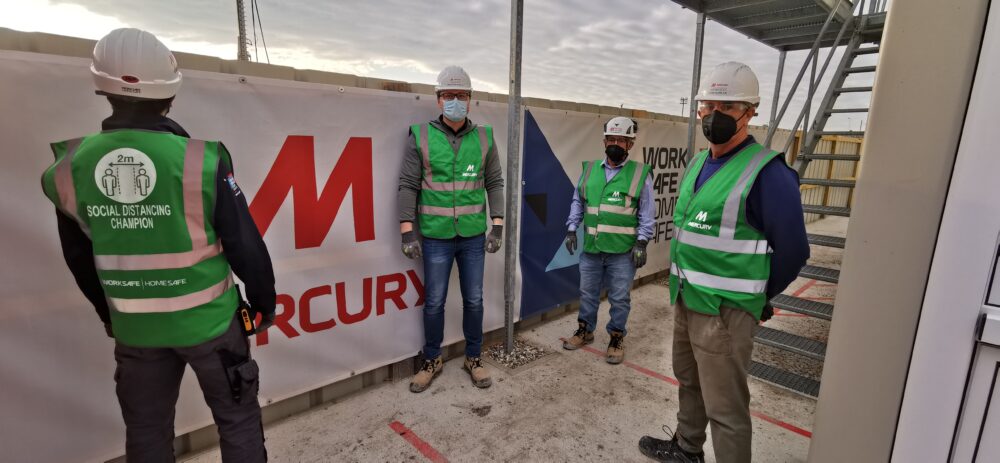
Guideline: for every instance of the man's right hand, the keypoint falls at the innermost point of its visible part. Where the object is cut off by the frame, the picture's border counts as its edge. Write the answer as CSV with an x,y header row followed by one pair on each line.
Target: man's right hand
x,y
266,321
411,246
571,241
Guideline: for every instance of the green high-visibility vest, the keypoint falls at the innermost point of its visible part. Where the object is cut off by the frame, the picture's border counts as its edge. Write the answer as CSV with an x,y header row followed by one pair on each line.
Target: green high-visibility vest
x,y
452,197
611,217
717,258
146,200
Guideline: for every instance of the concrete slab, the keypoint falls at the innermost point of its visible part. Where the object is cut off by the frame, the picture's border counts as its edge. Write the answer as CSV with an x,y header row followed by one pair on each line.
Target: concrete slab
x,y
571,407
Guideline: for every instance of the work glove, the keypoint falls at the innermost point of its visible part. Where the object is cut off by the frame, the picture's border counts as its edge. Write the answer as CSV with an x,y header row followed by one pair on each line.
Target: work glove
x,y
571,241
411,247
107,330
266,321
767,313
639,253
493,240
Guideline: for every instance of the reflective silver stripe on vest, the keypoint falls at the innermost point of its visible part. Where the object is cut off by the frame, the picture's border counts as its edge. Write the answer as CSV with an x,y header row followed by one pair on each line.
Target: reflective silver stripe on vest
x,y
172,304
616,209
722,244
636,177
450,211
731,211
601,228
593,210
716,282
158,261
586,178
425,152
591,231
65,187
194,209
483,145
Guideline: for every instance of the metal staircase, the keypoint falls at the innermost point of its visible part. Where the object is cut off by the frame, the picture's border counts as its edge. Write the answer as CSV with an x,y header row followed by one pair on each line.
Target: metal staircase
x,y
862,33
788,25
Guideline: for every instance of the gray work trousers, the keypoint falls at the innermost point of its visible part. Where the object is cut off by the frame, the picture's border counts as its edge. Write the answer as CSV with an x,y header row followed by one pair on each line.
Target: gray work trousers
x,y
711,356
148,383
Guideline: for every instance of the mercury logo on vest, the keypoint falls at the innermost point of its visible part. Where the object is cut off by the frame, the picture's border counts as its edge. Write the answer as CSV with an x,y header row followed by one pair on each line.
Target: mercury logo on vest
x,y
469,171
616,197
701,216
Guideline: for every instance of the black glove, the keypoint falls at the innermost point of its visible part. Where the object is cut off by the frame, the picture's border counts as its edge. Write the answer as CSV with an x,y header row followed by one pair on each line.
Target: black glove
x,y
266,321
571,241
639,253
494,239
411,247
107,330
767,313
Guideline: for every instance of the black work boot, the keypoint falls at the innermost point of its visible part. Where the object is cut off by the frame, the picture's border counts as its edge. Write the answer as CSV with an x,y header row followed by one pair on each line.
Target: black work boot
x,y
668,451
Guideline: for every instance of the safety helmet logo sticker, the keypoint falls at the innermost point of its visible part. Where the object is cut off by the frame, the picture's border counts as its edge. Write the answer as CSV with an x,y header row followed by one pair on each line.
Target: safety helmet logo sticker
x,y
125,175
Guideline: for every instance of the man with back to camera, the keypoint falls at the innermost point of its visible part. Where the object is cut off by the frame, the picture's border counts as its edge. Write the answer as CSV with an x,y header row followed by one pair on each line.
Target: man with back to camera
x,y
152,226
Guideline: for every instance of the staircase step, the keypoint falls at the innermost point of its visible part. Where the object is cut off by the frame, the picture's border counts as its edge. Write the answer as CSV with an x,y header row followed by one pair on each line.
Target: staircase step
x,y
791,342
867,50
828,241
831,157
843,133
784,379
826,210
834,182
803,306
852,89
828,275
847,110
859,69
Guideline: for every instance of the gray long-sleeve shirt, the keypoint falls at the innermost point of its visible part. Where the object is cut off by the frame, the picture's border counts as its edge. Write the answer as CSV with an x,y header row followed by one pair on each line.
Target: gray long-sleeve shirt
x,y
411,174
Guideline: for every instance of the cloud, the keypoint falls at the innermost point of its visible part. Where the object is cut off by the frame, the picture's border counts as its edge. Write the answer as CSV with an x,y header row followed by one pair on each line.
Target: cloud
x,y
636,54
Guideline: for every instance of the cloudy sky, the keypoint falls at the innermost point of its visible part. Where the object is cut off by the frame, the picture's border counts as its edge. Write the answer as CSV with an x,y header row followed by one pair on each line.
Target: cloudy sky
x,y
636,53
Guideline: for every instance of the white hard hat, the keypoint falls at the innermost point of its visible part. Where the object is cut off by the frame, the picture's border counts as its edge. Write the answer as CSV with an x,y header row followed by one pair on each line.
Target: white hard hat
x,y
134,63
730,81
621,126
453,78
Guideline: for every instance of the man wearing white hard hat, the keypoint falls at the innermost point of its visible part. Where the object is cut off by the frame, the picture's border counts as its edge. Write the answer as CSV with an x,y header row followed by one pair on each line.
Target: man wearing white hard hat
x,y
450,169
740,240
153,226
613,202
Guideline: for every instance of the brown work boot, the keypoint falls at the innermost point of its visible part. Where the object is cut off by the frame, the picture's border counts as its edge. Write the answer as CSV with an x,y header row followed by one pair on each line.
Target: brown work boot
x,y
479,374
422,380
580,338
616,348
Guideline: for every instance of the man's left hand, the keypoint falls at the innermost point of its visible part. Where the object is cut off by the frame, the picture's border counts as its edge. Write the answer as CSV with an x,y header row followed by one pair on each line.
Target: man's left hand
x,y
639,253
767,313
494,239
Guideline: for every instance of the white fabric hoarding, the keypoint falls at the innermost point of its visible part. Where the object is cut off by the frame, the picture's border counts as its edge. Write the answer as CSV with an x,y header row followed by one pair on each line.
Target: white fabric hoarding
x,y
319,165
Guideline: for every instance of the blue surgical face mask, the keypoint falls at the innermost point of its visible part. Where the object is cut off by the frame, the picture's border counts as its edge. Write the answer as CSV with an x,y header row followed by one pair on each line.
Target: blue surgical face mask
x,y
456,110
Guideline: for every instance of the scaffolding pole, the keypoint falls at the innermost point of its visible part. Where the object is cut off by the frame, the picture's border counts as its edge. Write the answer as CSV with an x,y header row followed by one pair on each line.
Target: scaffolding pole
x,y
777,88
513,171
242,51
699,41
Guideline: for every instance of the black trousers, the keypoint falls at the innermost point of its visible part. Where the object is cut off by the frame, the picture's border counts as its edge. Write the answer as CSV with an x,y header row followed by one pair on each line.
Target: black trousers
x,y
148,383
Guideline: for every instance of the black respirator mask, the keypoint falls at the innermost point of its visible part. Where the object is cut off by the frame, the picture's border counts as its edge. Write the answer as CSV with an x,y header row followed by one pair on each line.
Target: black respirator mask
x,y
616,154
719,127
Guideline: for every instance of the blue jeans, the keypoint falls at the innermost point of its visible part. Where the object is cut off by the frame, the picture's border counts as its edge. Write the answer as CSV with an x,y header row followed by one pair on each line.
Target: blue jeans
x,y
614,272
438,257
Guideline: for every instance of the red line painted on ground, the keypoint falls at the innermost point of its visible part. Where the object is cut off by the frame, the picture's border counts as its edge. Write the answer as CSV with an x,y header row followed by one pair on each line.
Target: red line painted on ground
x,y
665,378
782,313
418,443
790,427
804,288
